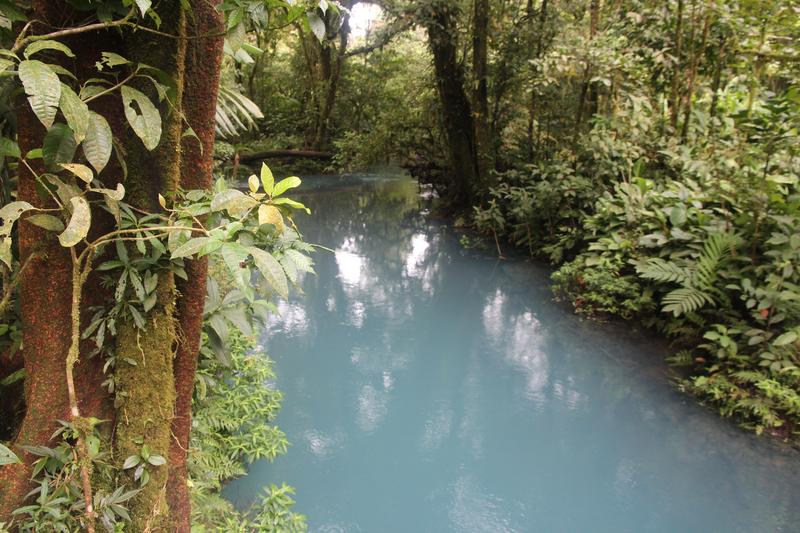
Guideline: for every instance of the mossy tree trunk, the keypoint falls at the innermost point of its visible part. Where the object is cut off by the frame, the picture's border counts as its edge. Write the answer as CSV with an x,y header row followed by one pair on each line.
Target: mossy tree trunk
x,y
201,79
153,405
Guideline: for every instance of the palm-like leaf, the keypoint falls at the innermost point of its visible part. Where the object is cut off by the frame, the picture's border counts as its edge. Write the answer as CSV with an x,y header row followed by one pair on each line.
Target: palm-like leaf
x,y
235,113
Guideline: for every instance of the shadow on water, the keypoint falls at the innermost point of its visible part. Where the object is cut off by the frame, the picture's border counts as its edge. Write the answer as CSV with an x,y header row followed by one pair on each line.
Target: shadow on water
x,y
432,389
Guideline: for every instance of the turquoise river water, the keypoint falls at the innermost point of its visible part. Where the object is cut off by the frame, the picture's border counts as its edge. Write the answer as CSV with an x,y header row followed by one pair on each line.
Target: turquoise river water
x,y
432,389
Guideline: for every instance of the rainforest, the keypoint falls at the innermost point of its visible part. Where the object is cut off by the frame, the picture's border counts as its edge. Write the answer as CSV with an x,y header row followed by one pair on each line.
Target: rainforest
x,y
399,265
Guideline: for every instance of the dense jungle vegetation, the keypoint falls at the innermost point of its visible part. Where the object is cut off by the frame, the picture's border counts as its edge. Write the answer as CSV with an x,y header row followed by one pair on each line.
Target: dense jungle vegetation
x,y
647,149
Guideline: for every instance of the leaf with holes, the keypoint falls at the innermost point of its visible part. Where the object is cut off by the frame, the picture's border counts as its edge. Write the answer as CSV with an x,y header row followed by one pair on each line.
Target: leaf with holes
x,y
144,118
78,226
43,89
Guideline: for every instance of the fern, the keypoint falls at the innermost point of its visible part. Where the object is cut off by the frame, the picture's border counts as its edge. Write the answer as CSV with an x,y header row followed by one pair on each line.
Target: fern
x,y
662,271
697,279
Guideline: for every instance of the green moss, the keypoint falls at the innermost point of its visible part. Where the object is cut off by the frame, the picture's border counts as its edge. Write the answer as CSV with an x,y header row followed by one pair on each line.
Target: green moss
x,y
145,402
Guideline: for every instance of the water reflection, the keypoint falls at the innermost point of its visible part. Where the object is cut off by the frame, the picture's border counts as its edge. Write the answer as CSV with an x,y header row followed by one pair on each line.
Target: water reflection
x,y
430,389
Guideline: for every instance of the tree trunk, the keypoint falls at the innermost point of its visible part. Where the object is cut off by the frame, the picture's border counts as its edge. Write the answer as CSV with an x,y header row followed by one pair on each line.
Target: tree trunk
x,y
480,90
331,74
676,72
202,72
588,88
146,391
440,17
537,53
44,292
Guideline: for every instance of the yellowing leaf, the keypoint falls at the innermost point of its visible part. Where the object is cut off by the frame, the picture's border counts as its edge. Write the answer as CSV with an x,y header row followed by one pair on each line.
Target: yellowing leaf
x,y
269,214
79,224
253,183
82,171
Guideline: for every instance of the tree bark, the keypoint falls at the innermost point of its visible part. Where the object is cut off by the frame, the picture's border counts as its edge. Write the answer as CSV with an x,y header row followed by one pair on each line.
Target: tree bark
x,y
480,92
44,291
587,87
676,73
202,73
440,20
146,393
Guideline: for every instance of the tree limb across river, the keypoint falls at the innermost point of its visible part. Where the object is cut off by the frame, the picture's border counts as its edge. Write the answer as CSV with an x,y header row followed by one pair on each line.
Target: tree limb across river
x,y
269,154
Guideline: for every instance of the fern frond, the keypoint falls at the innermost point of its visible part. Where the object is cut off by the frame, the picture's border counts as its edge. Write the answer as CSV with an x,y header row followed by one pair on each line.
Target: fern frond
x,y
662,271
716,249
685,300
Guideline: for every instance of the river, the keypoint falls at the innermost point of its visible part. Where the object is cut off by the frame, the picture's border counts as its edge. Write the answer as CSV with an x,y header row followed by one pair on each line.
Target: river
x,y
428,388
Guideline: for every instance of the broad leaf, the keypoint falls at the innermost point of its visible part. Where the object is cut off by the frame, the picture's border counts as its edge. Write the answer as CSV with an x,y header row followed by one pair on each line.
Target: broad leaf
x,y
190,247
269,214
48,222
9,148
75,111
79,224
144,5
286,184
271,270
47,44
82,171
7,457
43,89
59,145
144,118
98,144
317,26
267,179
232,200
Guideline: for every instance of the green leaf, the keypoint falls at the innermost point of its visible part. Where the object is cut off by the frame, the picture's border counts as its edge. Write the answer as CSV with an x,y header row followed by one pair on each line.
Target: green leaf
x,y
78,226
144,118
46,44
156,460
98,144
286,184
271,269
82,171
7,457
48,222
130,462
291,203
43,89
75,111
9,148
787,338
190,247
232,200
59,145
267,179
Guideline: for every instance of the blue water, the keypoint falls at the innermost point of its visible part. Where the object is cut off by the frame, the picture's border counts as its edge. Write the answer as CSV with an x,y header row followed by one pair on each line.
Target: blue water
x,y
431,389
